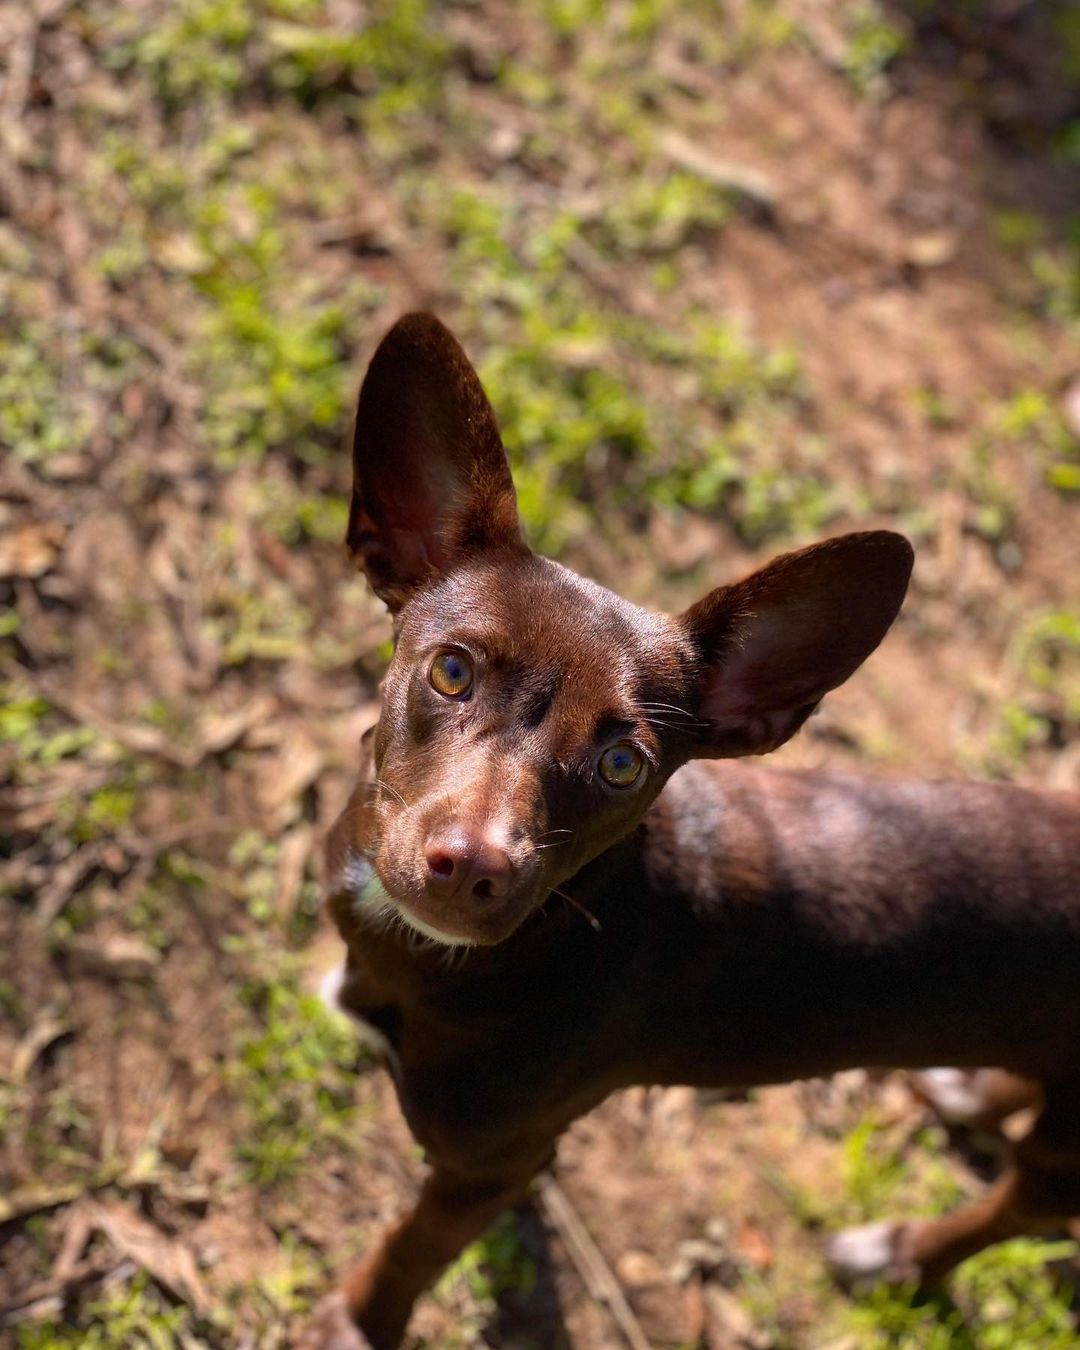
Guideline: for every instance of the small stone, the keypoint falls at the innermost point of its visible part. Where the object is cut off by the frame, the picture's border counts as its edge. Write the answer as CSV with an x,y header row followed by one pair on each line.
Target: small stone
x,y
639,1269
935,248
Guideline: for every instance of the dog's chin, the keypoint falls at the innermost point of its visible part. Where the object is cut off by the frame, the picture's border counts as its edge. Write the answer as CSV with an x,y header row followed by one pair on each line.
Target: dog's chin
x,y
429,930
491,926
378,905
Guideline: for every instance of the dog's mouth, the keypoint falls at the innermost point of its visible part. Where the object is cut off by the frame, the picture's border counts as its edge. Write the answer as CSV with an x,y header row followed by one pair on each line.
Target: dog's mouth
x,y
378,905
429,930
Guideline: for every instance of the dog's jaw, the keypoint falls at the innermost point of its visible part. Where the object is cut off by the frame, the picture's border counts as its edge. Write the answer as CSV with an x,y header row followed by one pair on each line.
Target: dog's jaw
x,y
426,929
373,904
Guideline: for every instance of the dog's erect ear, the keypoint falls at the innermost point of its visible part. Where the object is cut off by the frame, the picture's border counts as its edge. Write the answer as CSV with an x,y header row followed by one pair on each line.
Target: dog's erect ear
x,y
431,485
772,645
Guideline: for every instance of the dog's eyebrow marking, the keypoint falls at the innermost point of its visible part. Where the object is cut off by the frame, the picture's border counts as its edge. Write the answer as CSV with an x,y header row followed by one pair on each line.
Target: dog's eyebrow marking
x,y
540,704
615,726
609,725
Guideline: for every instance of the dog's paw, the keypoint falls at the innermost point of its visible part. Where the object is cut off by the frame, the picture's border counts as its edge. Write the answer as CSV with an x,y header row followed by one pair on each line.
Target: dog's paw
x,y
875,1253
331,1328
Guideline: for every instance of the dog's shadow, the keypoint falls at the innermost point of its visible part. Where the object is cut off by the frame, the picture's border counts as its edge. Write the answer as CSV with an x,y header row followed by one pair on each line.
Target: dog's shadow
x,y
529,1314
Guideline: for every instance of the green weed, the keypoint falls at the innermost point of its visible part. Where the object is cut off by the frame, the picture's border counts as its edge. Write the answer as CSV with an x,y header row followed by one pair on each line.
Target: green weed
x,y
1003,1298
1045,709
271,354
599,406
874,43
295,1073
216,48
495,1263
135,1314
658,214
874,1168
58,384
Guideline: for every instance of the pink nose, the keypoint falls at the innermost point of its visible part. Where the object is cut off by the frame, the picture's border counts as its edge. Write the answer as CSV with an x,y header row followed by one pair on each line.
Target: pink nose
x,y
461,861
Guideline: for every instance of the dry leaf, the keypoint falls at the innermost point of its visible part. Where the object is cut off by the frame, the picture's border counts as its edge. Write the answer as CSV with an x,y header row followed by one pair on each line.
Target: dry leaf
x,y
121,957
219,730
296,764
33,1199
1070,407
756,187
736,1326
30,550
48,1026
78,1230
755,1247
295,850
168,1260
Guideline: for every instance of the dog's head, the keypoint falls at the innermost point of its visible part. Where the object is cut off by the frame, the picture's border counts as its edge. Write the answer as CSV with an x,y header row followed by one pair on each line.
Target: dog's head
x,y
530,717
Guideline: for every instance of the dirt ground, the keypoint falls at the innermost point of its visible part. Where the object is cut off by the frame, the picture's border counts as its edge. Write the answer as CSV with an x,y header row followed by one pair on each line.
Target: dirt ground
x,y
207,218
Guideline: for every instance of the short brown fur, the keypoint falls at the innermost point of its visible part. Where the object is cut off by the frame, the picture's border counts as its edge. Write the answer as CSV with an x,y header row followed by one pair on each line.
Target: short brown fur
x,y
709,923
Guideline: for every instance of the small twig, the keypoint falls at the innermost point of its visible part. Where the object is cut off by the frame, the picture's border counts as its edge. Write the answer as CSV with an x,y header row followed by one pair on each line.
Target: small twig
x,y
211,737
34,1199
596,1274
752,186
65,881
608,282
48,1026
18,76
145,851
90,1268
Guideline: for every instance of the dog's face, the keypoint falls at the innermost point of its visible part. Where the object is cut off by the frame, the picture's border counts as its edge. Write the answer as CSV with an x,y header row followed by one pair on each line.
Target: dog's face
x,y
530,717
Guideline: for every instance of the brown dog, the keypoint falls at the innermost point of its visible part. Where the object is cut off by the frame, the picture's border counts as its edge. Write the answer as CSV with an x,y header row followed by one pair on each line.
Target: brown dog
x,y
538,908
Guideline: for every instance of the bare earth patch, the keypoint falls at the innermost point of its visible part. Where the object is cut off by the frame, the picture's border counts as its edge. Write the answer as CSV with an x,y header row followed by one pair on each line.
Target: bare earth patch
x,y
734,280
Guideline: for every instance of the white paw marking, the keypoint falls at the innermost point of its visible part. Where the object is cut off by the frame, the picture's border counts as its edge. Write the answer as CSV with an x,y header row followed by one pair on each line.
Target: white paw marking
x,y
330,987
861,1253
953,1093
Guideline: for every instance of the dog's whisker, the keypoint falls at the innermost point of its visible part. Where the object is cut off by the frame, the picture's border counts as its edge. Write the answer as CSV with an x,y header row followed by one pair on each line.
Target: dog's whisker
x,y
385,786
683,728
591,918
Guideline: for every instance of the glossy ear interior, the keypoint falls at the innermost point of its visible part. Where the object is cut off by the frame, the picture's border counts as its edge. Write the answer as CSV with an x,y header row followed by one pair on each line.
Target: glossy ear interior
x,y
431,482
772,645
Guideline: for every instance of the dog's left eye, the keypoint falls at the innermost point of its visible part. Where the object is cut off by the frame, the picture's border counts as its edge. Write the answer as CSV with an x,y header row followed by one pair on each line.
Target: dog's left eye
x,y
451,674
621,765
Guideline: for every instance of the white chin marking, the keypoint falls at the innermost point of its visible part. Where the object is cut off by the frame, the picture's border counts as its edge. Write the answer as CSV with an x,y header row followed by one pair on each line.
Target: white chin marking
x,y
861,1253
435,934
372,901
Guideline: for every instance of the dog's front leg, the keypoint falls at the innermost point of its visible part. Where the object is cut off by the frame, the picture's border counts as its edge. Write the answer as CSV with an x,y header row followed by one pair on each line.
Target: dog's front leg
x,y
378,1295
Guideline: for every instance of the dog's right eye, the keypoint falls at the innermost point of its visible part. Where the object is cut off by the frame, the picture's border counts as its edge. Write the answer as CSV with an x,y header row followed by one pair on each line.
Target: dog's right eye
x,y
621,765
451,674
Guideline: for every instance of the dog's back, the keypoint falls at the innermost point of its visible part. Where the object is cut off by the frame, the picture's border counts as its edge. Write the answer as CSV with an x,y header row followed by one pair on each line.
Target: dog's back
x,y
543,898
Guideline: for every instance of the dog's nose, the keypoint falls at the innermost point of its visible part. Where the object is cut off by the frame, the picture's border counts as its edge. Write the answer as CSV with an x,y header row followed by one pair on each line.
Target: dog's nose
x,y
463,862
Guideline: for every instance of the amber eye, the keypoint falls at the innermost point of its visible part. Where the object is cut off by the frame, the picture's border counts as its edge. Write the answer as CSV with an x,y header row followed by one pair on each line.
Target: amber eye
x,y
451,674
621,765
